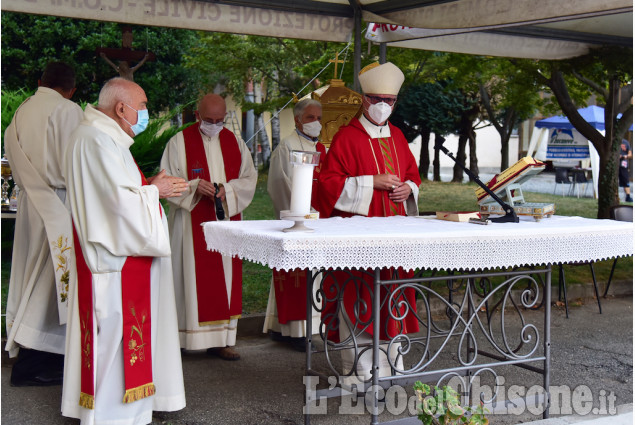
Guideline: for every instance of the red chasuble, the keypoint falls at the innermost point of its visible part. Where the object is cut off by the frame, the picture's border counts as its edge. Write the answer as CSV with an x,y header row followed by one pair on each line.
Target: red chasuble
x,y
137,326
290,287
211,291
353,153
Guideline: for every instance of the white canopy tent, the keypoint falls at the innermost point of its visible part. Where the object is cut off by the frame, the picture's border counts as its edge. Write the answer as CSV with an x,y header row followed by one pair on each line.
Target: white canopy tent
x,y
540,29
549,29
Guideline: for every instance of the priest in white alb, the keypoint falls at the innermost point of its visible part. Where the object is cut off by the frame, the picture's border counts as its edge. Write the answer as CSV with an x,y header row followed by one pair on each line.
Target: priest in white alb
x,y
122,354
286,309
222,181
42,248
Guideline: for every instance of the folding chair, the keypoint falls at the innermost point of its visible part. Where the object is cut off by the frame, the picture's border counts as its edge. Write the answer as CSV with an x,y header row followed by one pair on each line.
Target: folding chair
x,y
562,177
579,177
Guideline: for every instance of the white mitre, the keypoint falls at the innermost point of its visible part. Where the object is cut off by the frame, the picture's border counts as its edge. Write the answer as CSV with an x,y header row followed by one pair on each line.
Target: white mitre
x,y
381,79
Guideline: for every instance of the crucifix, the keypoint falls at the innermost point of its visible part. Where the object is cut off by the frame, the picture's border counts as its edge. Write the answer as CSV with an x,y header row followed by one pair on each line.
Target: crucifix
x,y
125,55
336,61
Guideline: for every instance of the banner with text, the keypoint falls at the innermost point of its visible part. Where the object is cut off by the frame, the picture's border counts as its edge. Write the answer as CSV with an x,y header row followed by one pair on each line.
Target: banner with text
x,y
195,15
567,144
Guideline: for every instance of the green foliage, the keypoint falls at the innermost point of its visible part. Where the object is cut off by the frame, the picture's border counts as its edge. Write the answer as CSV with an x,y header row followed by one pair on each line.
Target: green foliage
x,y
431,106
281,66
11,100
148,146
29,42
442,407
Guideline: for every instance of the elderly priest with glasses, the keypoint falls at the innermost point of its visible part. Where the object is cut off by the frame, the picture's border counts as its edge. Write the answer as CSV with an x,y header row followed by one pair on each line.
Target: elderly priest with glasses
x,y
370,171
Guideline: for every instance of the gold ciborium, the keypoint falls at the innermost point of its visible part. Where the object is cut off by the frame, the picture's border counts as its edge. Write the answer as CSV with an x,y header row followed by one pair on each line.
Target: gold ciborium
x,y
6,176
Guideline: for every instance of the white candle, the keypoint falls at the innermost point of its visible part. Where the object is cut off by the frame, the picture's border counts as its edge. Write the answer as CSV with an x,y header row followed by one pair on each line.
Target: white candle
x,y
301,185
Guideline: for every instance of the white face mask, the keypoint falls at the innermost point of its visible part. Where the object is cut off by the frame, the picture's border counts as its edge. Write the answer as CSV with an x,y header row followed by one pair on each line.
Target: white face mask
x,y
211,130
312,129
380,112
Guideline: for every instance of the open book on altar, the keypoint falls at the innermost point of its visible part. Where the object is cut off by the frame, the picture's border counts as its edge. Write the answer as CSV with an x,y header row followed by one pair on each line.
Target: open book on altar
x,y
506,186
518,173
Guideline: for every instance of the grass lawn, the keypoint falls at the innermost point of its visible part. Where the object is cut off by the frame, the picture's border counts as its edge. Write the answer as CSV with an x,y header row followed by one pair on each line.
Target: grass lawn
x,y
434,196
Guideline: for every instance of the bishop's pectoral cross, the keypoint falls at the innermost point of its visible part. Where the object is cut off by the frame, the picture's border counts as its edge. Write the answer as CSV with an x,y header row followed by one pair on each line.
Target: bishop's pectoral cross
x,y
336,61
125,55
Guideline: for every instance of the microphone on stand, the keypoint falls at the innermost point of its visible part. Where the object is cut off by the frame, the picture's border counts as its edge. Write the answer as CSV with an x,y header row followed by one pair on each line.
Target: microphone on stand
x,y
510,215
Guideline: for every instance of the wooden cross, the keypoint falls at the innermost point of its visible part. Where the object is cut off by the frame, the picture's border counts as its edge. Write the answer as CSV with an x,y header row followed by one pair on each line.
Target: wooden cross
x,y
336,61
125,55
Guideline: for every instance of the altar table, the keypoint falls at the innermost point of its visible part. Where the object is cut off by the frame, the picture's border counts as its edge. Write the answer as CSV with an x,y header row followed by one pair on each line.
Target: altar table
x,y
477,258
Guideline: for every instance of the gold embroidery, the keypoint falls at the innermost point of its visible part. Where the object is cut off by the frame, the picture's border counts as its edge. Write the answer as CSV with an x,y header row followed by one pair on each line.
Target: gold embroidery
x,y
137,350
86,357
61,245
219,322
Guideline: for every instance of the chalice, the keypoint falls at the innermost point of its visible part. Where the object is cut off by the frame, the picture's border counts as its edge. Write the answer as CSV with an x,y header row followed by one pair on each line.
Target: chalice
x,y
6,176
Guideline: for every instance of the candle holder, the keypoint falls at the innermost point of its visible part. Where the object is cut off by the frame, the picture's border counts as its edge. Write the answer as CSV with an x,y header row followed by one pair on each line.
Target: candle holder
x,y
301,187
6,176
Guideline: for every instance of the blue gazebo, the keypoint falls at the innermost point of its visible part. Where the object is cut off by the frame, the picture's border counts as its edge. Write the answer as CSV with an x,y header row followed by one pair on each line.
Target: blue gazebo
x,y
593,114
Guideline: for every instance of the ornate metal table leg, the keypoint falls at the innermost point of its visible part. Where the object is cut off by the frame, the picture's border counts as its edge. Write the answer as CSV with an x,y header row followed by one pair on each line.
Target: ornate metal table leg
x,y
375,370
309,335
547,343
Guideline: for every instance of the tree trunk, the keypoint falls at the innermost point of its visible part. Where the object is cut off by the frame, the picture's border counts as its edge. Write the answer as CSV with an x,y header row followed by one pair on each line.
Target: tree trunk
x,y
608,145
265,149
424,155
504,151
457,176
437,161
473,157
275,132
464,131
608,189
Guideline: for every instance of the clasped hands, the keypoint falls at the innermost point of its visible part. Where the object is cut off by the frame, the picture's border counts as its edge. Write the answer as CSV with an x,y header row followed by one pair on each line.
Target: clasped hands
x,y
169,186
206,188
399,191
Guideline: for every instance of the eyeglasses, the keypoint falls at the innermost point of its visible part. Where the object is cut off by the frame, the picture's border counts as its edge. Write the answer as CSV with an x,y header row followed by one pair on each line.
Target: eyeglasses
x,y
218,121
377,99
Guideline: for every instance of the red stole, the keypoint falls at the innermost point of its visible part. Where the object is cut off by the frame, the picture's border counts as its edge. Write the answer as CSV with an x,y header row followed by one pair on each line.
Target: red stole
x,y
211,291
137,327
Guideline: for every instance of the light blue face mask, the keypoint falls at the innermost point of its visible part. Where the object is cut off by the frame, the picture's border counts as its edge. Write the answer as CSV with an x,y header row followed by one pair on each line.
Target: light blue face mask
x,y
142,120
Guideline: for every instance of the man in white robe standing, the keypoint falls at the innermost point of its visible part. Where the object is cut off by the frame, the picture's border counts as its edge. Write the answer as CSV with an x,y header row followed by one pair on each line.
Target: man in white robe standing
x,y
122,355
36,305
286,309
222,181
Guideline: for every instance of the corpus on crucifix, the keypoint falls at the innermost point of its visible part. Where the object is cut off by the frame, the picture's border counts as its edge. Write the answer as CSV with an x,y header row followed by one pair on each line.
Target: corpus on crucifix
x,y
125,55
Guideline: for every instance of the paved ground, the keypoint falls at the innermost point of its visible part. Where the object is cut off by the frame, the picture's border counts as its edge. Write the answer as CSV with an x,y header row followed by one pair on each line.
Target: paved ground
x,y
265,386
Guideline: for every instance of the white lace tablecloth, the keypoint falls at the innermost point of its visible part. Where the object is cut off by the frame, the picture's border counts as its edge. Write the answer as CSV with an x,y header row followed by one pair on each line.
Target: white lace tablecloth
x,y
421,242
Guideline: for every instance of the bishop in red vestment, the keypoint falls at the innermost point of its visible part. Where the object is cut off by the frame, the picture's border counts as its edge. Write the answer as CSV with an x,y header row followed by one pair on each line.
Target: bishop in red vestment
x,y
370,171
